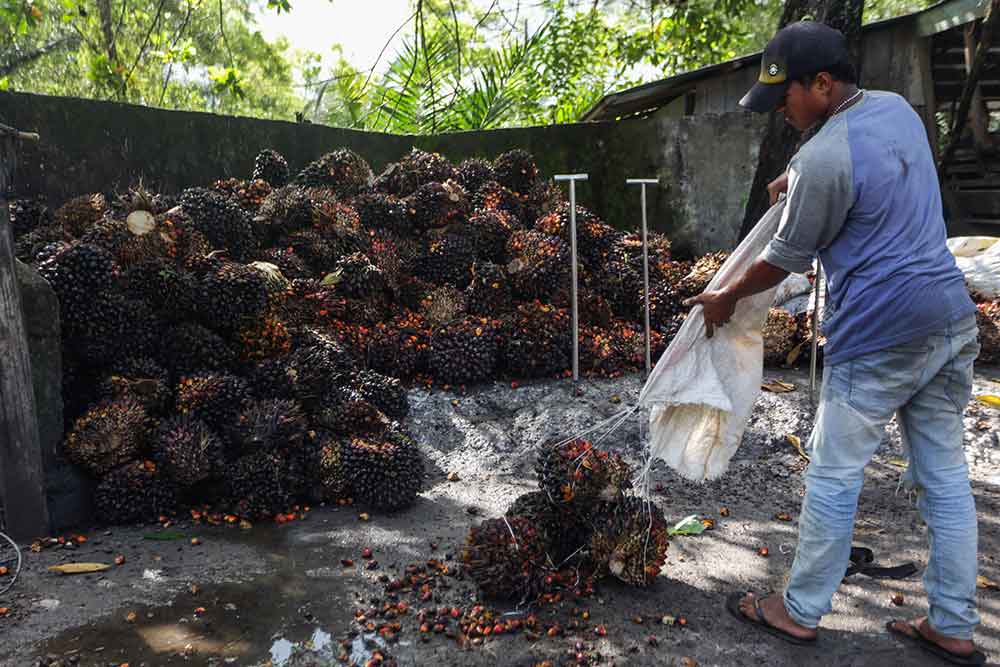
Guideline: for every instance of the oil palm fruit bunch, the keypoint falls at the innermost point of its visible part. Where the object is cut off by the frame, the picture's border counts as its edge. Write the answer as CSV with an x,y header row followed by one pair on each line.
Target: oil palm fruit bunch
x,y
358,278
377,210
343,411
100,330
343,170
78,272
565,531
271,167
187,451
595,239
134,492
537,341
286,210
259,484
415,169
232,295
270,379
314,249
107,435
630,541
315,362
666,301
473,172
190,347
384,471
544,197
701,273
399,348
288,262
595,309
80,213
670,329
222,221
489,291
988,318
141,379
448,261
506,557
271,424
438,204
28,245
575,472
215,398
384,392
621,284
443,306
331,470
490,231
516,170
539,264
492,196
780,333
28,214
264,338
248,195
464,352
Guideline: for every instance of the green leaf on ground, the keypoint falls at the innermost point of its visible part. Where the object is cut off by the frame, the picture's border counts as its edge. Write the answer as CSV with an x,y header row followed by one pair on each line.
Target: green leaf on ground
x,y
690,525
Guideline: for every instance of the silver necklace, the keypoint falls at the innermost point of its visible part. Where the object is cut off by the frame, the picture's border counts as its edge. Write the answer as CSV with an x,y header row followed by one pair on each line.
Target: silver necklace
x,y
840,107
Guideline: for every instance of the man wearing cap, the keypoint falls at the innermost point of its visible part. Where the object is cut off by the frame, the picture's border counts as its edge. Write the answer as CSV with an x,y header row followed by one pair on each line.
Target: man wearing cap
x,y
863,196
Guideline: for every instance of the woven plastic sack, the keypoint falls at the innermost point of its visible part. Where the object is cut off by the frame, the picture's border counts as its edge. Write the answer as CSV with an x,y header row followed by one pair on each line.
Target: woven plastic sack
x,y
702,389
978,257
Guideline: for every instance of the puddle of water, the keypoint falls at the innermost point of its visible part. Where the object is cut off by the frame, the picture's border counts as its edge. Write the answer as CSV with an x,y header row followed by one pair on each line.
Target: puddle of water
x,y
319,646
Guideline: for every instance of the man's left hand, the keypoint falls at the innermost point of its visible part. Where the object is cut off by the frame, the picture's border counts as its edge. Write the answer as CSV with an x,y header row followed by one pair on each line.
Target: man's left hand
x,y
717,308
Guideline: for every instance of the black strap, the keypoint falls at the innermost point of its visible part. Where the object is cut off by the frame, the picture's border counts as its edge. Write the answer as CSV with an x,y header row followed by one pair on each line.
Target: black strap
x,y
861,563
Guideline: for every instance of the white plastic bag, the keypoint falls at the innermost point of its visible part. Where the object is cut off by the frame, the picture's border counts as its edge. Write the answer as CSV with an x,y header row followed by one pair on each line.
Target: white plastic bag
x,y
702,389
978,257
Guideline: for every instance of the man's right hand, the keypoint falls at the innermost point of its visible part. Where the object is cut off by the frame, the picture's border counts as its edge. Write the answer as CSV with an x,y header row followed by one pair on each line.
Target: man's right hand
x,y
776,187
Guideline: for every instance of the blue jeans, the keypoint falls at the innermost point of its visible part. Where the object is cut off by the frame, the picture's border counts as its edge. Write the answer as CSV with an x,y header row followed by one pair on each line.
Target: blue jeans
x,y
926,384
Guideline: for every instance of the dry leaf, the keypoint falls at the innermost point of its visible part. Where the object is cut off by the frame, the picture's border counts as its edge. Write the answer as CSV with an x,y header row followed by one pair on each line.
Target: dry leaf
x,y
794,354
899,463
79,568
988,584
796,442
778,386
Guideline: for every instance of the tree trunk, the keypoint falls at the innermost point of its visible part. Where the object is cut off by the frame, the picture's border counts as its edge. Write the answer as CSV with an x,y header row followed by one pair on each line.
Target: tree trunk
x,y
107,21
781,140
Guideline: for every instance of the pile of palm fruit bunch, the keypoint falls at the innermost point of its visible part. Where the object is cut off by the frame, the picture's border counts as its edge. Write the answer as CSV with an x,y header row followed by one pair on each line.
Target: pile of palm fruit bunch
x,y
581,525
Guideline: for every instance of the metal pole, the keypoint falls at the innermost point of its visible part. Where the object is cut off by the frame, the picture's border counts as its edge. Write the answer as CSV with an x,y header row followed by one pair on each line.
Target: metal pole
x,y
815,333
645,263
573,178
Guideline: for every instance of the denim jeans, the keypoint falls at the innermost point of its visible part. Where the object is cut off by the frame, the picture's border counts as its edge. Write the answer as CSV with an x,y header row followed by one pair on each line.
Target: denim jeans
x,y
926,384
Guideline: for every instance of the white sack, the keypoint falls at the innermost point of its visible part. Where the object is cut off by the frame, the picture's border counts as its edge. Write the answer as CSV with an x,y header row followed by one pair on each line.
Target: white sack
x,y
794,286
978,257
702,389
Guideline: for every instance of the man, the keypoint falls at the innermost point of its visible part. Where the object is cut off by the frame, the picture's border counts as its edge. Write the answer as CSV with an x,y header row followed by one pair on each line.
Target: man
x,y
863,195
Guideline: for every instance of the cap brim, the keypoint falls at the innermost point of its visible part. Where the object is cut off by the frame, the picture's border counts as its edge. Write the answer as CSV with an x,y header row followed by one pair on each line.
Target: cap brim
x,y
764,97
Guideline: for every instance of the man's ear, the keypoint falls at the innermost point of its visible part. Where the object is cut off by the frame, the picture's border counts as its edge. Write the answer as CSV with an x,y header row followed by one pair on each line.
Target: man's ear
x,y
823,82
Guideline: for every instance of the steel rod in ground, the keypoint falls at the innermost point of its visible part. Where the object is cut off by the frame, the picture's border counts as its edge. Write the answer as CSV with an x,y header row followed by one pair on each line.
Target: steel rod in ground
x,y
643,182
573,178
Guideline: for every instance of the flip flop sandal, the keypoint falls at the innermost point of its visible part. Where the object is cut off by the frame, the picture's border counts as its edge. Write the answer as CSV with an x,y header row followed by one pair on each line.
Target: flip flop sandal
x,y
733,605
974,658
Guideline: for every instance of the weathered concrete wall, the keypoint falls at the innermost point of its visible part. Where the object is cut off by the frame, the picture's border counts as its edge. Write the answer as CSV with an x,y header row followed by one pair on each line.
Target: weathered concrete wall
x,y
68,490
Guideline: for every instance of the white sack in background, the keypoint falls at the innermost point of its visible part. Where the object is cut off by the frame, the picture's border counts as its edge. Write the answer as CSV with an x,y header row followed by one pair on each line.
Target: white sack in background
x,y
702,389
978,257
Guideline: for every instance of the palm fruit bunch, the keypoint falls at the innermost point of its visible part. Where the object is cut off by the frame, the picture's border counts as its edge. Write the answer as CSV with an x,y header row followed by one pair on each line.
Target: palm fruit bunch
x,y
473,172
29,214
377,210
464,352
80,213
668,331
187,451
77,272
384,471
516,170
172,292
384,392
28,245
578,474
565,531
543,198
330,469
399,348
213,397
264,338
443,305
258,484
190,347
665,303
108,435
595,239
448,261
248,195
780,334
141,379
358,278
343,171
232,295
621,284
134,492
702,272
415,169
271,167
267,425
629,540
988,318
285,211
540,264
489,291
506,557
434,205
222,221
537,341
492,196
490,231
315,364
343,410
312,248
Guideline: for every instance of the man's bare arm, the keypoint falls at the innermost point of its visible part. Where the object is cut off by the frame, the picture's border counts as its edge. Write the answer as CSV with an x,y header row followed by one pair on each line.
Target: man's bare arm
x,y
718,305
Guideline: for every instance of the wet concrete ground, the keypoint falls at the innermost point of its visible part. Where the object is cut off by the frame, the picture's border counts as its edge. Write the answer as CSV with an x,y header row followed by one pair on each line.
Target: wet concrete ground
x,y
280,595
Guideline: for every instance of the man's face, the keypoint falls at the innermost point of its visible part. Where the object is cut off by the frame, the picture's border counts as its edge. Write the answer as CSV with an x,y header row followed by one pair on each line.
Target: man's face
x,y
804,106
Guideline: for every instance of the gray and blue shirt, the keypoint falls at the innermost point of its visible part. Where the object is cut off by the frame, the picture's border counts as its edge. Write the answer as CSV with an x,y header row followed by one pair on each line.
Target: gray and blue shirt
x,y
863,195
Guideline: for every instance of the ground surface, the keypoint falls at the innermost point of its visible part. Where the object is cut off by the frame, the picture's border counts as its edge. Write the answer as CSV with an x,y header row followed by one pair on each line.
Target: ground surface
x,y
279,595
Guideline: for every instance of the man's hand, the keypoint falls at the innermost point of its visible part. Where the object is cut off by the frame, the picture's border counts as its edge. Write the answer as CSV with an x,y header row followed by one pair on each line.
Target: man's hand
x,y
776,187
717,308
